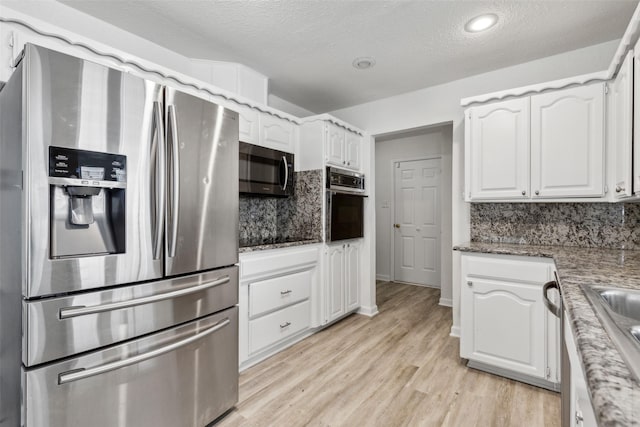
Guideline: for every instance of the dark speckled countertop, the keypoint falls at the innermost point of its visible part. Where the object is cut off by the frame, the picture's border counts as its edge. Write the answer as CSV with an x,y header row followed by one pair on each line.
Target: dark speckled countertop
x,y
615,394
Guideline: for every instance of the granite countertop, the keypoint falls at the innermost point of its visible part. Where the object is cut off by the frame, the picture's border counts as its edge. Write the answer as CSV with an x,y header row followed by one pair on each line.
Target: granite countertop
x,y
277,245
615,394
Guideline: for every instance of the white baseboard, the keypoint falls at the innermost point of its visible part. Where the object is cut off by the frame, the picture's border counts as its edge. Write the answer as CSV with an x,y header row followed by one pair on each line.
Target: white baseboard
x,y
455,331
368,311
383,277
446,302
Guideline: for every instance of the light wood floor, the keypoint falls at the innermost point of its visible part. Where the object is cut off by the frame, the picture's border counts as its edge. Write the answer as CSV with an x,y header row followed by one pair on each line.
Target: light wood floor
x,y
398,368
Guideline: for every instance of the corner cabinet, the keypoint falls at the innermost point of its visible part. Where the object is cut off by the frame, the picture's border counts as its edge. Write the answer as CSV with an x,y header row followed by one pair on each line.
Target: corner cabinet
x,y
548,146
621,128
505,328
342,279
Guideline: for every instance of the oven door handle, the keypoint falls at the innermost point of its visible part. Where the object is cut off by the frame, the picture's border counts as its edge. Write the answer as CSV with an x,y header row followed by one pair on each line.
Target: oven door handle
x,y
68,312
82,373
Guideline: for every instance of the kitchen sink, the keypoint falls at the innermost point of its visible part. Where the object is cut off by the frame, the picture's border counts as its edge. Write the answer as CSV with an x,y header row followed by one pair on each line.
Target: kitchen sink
x,y
623,302
619,312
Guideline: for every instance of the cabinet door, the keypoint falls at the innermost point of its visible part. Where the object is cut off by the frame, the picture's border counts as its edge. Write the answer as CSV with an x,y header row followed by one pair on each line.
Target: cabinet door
x,y
352,276
277,133
499,147
335,145
335,282
636,120
567,143
622,127
503,325
353,150
248,125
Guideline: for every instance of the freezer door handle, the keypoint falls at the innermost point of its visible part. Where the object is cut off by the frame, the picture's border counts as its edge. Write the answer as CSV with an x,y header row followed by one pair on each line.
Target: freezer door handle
x,y
175,181
68,312
82,373
158,191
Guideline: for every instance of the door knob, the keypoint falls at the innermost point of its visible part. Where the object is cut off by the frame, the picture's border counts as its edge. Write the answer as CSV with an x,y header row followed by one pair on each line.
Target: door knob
x,y
396,225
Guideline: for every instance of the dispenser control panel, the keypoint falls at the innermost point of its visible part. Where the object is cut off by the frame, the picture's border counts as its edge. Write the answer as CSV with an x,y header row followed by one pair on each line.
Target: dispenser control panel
x,y
88,165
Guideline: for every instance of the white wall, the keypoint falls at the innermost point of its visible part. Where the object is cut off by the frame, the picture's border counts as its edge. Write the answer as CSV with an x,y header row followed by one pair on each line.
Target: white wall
x,y
430,142
440,104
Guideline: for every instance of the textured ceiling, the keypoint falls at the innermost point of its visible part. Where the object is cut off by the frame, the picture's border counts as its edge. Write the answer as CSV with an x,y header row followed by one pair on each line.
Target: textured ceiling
x,y
306,47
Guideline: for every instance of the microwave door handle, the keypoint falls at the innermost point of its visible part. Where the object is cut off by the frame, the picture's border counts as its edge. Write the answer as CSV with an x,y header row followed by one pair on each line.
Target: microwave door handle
x,y
175,178
160,179
286,173
82,373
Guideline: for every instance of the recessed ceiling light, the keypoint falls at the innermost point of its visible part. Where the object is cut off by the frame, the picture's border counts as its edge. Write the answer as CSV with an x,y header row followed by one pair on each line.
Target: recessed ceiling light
x,y
364,63
481,23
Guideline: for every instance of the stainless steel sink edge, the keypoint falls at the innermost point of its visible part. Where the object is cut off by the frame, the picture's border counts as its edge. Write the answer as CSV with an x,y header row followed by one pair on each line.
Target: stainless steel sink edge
x,y
624,331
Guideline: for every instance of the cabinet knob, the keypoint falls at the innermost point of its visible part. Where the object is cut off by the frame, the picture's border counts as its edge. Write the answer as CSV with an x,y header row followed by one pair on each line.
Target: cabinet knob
x,y
537,193
396,225
348,245
343,162
619,189
469,283
579,418
524,193
348,163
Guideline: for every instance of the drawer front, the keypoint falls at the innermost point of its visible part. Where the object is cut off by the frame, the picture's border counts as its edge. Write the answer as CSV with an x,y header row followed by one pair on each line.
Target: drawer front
x,y
515,268
185,376
58,327
276,326
262,263
273,294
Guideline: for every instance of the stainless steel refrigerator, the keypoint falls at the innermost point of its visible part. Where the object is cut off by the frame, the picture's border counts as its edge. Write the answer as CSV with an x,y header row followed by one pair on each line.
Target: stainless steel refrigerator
x,y
118,249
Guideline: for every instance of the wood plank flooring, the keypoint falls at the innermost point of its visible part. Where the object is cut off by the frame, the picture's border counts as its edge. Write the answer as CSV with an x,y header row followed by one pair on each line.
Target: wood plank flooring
x,y
400,368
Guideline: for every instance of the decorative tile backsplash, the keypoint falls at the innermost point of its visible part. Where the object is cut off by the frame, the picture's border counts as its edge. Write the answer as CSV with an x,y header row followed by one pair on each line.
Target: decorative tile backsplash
x,y
265,220
609,225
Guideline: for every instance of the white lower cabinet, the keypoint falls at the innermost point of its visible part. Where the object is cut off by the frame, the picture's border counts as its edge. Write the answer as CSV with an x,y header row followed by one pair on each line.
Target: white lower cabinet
x,y
581,411
342,279
278,291
505,327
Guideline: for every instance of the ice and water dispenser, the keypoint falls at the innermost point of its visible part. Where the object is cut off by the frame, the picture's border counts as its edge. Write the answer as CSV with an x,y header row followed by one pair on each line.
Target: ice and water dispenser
x,y
87,202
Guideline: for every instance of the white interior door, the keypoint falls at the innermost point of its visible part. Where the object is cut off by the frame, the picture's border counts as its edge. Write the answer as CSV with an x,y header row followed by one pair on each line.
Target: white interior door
x,y
417,222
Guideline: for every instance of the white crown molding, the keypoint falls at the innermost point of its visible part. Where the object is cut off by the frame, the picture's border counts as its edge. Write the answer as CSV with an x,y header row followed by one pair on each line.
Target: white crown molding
x,y
336,121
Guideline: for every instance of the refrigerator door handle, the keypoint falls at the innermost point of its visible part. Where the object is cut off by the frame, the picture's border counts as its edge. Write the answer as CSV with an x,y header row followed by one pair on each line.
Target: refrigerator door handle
x,y
68,312
175,181
159,190
82,373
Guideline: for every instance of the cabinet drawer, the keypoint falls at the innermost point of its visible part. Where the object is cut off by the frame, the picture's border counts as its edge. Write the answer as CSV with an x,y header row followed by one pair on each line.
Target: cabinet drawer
x,y
272,294
512,268
276,326
265,263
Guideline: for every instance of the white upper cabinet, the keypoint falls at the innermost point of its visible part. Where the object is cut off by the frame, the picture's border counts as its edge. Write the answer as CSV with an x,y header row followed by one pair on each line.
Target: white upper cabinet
x,y
621,128
248,125
353,150
548,146
636,120
335,145
277,133
499,147
567,143
343,148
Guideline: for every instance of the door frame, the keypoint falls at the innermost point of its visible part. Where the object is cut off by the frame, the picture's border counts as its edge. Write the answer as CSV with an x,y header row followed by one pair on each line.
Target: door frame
x,y
392,266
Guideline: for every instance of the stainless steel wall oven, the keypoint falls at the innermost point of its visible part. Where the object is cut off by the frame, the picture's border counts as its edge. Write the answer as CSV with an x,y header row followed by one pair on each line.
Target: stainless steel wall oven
x,y
345,204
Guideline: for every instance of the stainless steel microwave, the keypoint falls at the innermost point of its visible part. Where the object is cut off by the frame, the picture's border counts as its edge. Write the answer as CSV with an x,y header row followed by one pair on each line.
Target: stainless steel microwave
x,y
265,172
